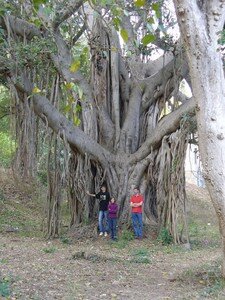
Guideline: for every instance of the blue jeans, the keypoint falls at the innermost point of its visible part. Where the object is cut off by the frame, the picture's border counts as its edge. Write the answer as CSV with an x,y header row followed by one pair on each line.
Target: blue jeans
x,y
112,228
103,221
137,224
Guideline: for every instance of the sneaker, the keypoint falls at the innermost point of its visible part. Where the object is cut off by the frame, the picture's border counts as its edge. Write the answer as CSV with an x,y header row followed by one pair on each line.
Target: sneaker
x,y
106,234
101,233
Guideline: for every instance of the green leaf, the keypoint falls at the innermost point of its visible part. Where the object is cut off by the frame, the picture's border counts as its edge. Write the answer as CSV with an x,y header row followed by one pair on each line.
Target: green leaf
x,y
156,8
76,120
36,90
116,23
37,3
139,3
77,108
147,39
69,85
151,20
67,108
124,35
75,66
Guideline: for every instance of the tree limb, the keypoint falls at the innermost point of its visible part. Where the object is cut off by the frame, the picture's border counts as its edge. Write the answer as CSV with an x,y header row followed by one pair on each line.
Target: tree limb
x,y
166,125
61,125
67,12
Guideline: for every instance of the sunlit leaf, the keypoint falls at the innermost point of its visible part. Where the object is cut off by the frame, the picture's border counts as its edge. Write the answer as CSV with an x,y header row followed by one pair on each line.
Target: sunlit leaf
x,y
76,120
67,108
77,108
37,3
124,35
139,3
151,20
147,39
116,23
114,49
75,66
69,85
36,90
156,8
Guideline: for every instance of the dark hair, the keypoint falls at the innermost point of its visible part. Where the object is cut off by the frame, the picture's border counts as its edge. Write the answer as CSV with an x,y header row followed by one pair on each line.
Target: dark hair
x,y
136,188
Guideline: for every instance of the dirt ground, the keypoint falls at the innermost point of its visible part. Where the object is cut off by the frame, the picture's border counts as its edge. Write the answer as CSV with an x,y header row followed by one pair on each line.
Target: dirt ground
x,y
99,270
93,269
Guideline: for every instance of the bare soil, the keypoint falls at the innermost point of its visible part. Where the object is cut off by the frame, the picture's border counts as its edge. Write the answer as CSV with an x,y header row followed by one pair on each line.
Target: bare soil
x,y
99,270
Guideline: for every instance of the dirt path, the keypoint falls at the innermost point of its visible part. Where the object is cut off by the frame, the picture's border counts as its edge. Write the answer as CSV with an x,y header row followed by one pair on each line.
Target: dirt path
x,y
99,270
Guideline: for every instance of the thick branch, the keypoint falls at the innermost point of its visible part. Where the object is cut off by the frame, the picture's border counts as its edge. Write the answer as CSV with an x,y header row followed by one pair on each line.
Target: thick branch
x,y
174,71
67,12
60,124
21,27
167,125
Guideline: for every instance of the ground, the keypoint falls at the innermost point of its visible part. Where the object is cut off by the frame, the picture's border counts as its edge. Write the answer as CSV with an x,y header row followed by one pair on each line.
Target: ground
x,y
95,268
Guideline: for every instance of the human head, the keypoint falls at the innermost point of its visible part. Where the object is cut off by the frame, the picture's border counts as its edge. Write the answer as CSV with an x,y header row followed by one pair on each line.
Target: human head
x,y
103,188
136,190
113,200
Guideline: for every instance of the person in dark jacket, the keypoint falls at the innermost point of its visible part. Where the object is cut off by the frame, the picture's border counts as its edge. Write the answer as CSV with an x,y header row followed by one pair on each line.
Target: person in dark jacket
x,y
112,209
104,197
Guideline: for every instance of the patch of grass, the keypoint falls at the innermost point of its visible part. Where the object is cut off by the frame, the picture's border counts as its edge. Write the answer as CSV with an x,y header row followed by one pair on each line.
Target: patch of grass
x,y
50,249
24,217
202,221
5,290
126,235
2,196
3,261
209,278
203,235
140,256
165,237
65,240
124,238
120,244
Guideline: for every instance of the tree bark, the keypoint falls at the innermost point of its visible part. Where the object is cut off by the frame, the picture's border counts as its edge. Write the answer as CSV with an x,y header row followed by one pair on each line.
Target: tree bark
x,y
199,25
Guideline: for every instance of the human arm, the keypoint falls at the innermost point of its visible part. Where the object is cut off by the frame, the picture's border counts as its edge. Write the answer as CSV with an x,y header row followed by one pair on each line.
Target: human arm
x,y
89,194
134,199
114,208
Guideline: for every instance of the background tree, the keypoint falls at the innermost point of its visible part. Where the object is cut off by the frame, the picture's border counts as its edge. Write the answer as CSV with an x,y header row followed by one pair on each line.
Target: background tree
x,y
200,24
119,112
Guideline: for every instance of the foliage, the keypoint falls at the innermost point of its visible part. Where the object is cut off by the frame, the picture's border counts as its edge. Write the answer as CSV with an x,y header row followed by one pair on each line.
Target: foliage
x,y
221,39
65,240
165,237
50,249
141,256
35,53
7,149
209,277
5,290
8,146
127,235
188,121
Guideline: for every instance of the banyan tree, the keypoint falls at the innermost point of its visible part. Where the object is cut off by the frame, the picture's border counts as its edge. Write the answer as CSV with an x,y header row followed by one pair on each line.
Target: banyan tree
x,y
101,81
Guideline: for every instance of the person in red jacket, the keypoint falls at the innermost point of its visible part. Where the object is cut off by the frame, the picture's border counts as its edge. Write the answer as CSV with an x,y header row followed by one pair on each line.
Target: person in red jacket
x,y
136,203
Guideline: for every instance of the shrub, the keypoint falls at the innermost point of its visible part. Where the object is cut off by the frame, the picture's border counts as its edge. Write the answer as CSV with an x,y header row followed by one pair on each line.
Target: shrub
x,y
165,237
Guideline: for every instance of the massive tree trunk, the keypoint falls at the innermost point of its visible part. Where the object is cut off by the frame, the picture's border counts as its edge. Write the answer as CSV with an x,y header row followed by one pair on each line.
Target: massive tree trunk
x,y
125,137
200,24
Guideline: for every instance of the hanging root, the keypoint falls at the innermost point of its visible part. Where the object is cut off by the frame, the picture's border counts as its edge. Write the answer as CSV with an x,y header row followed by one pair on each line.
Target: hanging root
x,y
169,179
